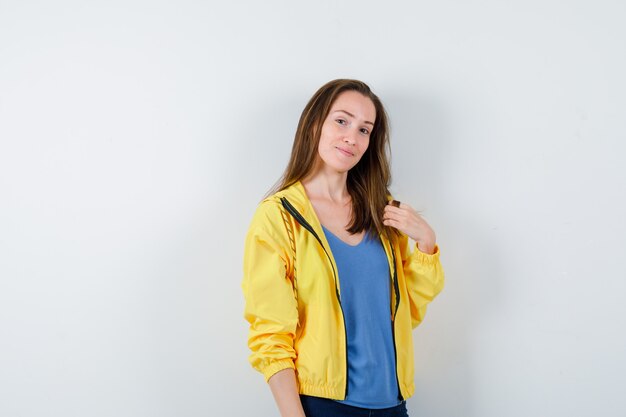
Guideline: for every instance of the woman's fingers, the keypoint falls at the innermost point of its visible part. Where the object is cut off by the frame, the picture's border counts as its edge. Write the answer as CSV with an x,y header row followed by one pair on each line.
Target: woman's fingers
x,y
404,211
392,223
398,206
398,217
404,218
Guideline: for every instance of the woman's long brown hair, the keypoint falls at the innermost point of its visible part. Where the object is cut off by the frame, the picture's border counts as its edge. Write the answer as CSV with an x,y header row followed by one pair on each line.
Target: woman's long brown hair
x,y
368,181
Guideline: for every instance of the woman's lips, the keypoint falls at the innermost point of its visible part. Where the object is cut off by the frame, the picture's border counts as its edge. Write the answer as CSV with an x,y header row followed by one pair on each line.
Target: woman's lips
x,y
344,151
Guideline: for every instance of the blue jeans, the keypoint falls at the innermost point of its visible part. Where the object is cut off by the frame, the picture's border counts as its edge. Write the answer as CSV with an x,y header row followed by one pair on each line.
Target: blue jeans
x,y
323,407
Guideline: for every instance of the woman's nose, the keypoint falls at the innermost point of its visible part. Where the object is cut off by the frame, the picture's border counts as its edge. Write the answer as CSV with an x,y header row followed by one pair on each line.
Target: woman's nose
x,y
350,137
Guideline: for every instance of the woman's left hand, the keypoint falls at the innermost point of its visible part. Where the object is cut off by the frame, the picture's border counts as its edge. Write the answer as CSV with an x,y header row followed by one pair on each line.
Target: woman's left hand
x,y
404,218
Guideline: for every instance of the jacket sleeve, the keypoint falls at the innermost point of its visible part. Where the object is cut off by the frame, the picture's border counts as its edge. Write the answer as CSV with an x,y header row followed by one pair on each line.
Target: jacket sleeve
x,y
270,302
424,278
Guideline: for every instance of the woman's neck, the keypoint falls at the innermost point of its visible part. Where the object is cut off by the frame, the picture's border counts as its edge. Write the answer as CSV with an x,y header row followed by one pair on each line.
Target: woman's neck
x,y
330,186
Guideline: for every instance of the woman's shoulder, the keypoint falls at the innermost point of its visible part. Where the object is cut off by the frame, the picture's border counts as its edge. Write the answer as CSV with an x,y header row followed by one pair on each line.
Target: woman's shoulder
x,y
293,195
267,212
271,210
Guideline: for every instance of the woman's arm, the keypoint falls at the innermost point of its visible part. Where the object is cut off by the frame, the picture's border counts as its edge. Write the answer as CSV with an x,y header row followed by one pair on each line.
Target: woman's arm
x,y
422,270
285,389
271,307
270,297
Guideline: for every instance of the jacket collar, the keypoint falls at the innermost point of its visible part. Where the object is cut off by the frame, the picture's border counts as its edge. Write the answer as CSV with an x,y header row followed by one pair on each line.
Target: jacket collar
x,y
297,197
299,200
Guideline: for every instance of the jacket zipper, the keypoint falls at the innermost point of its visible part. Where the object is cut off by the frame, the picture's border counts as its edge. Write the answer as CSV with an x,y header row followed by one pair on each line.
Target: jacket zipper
x,y
296,215
393,322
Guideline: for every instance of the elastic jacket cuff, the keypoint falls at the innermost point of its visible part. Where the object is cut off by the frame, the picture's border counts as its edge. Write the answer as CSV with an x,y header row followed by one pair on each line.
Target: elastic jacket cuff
x,y
276,366
426,258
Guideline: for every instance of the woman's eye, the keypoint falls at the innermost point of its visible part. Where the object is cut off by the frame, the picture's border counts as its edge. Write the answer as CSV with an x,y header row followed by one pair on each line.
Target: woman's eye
x,y
365,131
341,121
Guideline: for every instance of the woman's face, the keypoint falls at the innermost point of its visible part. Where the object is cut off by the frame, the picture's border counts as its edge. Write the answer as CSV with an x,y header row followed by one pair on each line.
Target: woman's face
x,y
346,131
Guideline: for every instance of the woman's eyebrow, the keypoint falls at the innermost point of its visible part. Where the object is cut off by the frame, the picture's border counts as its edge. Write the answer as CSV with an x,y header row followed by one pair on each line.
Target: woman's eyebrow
x,y
352,115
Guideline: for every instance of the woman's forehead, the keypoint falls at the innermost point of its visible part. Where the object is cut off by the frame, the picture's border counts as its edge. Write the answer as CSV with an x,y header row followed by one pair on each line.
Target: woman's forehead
x,y
356,105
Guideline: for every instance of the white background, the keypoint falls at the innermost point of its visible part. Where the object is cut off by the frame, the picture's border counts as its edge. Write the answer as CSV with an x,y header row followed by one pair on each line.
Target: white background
x,y
136,138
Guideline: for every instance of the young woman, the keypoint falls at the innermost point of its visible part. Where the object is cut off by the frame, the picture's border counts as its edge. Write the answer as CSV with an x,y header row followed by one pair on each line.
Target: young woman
x,y
332,287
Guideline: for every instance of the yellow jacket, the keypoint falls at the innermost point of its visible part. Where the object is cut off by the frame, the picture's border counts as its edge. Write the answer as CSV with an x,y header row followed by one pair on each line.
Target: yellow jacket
x,y
293,298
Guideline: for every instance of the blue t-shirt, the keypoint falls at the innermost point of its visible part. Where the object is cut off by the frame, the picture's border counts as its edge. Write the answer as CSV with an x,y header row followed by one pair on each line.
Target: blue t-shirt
x,y
364,281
